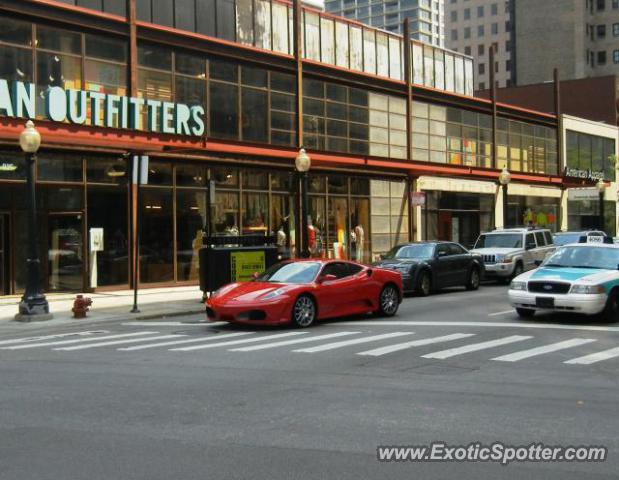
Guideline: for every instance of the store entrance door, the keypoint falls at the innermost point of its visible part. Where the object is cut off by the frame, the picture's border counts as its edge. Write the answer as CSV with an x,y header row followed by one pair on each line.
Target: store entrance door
x,y
4,255
65,252
458,226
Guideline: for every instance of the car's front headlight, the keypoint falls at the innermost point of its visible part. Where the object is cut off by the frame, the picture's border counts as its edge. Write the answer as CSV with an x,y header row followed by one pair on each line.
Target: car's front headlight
x,y
587,289
516,285
273,294
505,258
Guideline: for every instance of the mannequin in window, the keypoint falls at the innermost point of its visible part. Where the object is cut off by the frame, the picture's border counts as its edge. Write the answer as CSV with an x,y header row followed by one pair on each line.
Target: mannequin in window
x,y
359,237
311,238
353,240
196,245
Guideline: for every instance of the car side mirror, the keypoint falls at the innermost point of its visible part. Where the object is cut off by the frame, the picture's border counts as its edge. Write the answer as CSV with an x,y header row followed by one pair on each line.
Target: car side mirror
x,y
369,272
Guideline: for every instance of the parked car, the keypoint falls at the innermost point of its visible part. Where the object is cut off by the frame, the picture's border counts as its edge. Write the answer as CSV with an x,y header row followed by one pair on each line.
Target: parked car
x,y
576,278
301,292
428,266
508,252
564,238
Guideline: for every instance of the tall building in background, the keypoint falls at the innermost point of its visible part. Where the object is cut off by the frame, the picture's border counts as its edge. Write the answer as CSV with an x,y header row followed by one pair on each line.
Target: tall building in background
x,y
473,27
579,37
426,16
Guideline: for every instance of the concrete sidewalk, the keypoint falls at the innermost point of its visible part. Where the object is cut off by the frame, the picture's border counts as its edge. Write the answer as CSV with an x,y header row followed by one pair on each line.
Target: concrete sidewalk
x,y
153,303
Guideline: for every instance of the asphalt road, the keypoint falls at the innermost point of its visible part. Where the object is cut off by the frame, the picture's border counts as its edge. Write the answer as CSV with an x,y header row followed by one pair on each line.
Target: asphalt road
x,y
177,400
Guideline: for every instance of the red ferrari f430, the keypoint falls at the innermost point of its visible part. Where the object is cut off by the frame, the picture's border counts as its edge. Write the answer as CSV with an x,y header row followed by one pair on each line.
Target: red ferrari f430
x,y
302,292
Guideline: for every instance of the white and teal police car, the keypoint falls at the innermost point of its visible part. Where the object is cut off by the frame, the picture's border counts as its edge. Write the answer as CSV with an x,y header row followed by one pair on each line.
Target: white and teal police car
x,y
576,278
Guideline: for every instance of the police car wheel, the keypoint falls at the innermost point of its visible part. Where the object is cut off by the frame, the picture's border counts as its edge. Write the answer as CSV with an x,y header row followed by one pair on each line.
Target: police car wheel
x,y
611,312
525,312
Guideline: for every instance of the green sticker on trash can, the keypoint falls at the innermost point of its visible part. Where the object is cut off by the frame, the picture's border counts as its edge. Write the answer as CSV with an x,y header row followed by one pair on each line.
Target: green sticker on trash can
x,y
244,264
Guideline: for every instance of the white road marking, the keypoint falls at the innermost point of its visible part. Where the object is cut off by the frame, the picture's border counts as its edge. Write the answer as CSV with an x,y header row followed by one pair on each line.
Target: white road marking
x,y
504,312
81,340
236,342
377,352
553,347
291,342
356,341
403,323
147,323
117,342
452,352
595,357
50,337
191,340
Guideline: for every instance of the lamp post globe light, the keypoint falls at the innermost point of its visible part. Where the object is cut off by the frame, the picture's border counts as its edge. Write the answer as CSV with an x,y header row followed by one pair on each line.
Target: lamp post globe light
x,y
33,305
601,186
504,178
302,164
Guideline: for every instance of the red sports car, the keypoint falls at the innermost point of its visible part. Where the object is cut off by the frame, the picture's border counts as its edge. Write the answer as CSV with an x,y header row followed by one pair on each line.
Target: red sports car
x,y
304,291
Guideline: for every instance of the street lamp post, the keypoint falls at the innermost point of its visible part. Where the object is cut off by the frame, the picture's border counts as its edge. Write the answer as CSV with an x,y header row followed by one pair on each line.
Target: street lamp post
x,y
302,164
33,305
601,186
504,179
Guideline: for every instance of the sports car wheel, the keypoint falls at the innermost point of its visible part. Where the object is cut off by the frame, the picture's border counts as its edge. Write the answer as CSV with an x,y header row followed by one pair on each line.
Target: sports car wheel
x,y
389,301
424,284
611,312
473,283
304,312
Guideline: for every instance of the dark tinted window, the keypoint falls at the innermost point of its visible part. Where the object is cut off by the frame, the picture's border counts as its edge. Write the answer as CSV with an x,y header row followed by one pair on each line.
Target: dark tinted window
x,y
224,112
59,40
205,18
185,14
354,269
456,249
340,270
541,241
155,57
107,48
189,64
443,250
548,238
222,70
15,31
254,108
163,13
530,241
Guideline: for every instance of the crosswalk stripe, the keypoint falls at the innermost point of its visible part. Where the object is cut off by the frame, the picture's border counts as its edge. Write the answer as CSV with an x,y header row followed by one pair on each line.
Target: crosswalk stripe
x,y
176,342
235,342
291,342
118,342
377,352
356,341
553,347
49,337
452,352
595,357
80,340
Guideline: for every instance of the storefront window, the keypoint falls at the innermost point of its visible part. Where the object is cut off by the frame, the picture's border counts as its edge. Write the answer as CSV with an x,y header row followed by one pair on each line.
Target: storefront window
x,y
107,170
590,152
255,213
540,212
157,236
585,215
113,260
188,175
226,217
190,222
59,168
12,166
457,217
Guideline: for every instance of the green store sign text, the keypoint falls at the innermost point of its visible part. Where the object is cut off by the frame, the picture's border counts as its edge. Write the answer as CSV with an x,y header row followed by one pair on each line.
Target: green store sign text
x,y
79,107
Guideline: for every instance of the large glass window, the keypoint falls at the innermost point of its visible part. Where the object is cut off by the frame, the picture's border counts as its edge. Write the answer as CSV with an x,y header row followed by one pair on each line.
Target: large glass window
x,y
190,222
157,236
590,152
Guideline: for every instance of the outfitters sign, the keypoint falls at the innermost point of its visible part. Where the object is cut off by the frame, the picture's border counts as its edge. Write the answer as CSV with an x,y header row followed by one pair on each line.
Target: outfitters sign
x,y
81,107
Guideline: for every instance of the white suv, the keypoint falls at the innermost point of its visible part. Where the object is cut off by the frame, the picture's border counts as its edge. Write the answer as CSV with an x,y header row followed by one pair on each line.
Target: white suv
x,y
509,252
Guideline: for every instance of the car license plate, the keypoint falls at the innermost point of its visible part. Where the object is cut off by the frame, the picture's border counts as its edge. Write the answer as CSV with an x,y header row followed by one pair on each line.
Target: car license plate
x,y
595,239
545,302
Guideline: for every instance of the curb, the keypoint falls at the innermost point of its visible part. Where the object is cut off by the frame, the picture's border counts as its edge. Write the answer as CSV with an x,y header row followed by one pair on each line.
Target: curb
x,y
156,316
